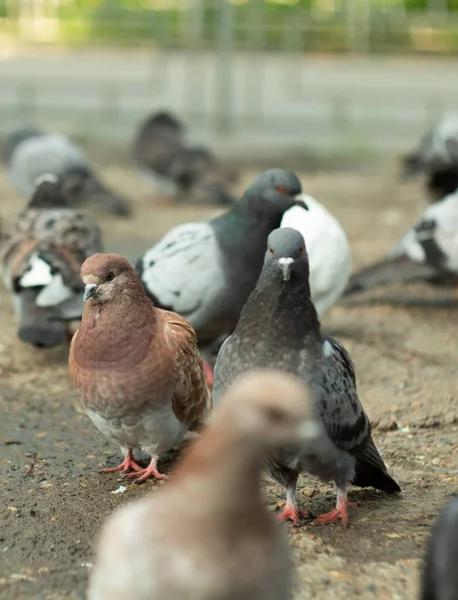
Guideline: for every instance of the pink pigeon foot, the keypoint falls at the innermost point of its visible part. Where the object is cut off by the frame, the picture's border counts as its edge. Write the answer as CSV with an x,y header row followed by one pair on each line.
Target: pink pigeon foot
x,y
208,371
150,471
128,464
291,512
340,512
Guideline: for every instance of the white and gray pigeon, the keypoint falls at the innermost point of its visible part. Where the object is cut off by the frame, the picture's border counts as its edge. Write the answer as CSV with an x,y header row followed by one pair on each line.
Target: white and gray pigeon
x,y
279,328
428,252
41,264
437,157
440,575
328,250
180,167
205,271
30,153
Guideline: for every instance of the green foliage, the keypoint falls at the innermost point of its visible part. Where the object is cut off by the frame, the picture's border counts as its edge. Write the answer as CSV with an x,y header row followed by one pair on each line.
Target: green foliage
x,y
308,25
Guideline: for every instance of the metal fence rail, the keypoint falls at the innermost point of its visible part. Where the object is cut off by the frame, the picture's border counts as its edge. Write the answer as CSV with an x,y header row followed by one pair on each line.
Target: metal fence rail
x,y
242,74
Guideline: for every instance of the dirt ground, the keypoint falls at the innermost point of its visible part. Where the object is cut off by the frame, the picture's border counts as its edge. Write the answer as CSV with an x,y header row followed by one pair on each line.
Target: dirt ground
x,y
54,499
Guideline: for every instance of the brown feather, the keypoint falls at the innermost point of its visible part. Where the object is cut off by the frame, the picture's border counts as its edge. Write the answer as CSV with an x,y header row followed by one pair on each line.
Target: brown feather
x,y
129,356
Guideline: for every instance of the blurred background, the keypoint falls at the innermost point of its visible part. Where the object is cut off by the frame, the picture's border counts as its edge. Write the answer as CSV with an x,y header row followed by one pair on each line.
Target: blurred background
x,y
309,76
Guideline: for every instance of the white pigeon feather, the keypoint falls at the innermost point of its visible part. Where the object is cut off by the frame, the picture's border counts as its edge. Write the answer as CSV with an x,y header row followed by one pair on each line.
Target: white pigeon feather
x,y
54,293
189,292
328,250
39,273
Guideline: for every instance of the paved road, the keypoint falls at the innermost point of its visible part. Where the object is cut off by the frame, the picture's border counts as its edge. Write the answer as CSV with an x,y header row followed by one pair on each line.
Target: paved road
x,y
247,102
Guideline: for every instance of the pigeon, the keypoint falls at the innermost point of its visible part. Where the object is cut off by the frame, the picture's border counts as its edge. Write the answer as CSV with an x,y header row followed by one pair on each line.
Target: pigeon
x,y
137,367
31,153
437,157
205,271
180,167
440,576
279,329
207,533
328,250
428,251
41,261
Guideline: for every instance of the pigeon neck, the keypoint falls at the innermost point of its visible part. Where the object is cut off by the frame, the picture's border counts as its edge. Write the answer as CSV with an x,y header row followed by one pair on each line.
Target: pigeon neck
x,y
283,306
242,237
230,464
115,333
243,224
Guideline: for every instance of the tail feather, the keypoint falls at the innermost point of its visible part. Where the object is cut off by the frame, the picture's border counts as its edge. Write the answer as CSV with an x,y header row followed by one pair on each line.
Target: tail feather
x,y
396,270
368,475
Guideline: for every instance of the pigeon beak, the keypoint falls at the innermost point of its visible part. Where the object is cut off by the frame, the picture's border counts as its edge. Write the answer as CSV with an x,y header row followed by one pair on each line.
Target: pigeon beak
x,y
285,266
300,200
89,291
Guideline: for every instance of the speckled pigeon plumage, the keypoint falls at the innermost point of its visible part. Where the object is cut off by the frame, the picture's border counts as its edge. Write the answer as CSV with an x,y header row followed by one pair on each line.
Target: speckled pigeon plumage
x,y
41,261
31,153
440,575
279,328
205,271
428,252
206,534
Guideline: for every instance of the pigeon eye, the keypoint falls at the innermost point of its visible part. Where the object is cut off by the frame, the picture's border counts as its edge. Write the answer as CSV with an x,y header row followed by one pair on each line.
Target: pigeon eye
x,y
282,189
110,276
271,251
301,249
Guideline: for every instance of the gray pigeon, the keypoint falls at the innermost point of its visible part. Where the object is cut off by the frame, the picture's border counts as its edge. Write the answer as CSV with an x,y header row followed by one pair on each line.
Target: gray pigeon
x,y
207,534
206,271
180,167
437,157
41,264
30,153
440,576
428,251
279,328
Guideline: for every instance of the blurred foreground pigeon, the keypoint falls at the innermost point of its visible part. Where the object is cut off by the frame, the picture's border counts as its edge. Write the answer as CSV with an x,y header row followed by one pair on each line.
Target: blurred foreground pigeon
x,y
41,262
279,328
440,576
206,271
31,153
437,157
428,251
179,166
207,534
137,367
327,248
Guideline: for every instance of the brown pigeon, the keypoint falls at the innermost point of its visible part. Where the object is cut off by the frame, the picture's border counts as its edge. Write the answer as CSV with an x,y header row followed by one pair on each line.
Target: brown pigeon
x,y
137,367
207,534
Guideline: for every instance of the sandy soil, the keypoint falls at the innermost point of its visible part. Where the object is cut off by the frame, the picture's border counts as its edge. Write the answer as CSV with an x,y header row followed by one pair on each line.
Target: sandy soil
x,y
54,500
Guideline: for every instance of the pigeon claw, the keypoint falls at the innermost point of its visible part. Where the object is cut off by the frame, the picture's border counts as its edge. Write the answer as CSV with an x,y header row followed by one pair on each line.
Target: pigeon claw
x,y
340,512
208,372
128,464
292,513
151,471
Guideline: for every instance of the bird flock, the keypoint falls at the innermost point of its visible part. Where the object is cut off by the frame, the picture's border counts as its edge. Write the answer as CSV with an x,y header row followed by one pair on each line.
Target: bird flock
x,y
213,338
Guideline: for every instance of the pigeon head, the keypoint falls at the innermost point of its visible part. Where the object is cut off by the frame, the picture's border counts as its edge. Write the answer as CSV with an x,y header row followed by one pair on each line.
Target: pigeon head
x,y
48,193
271,408
82,185
166,119
276,189
286,250
105,276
